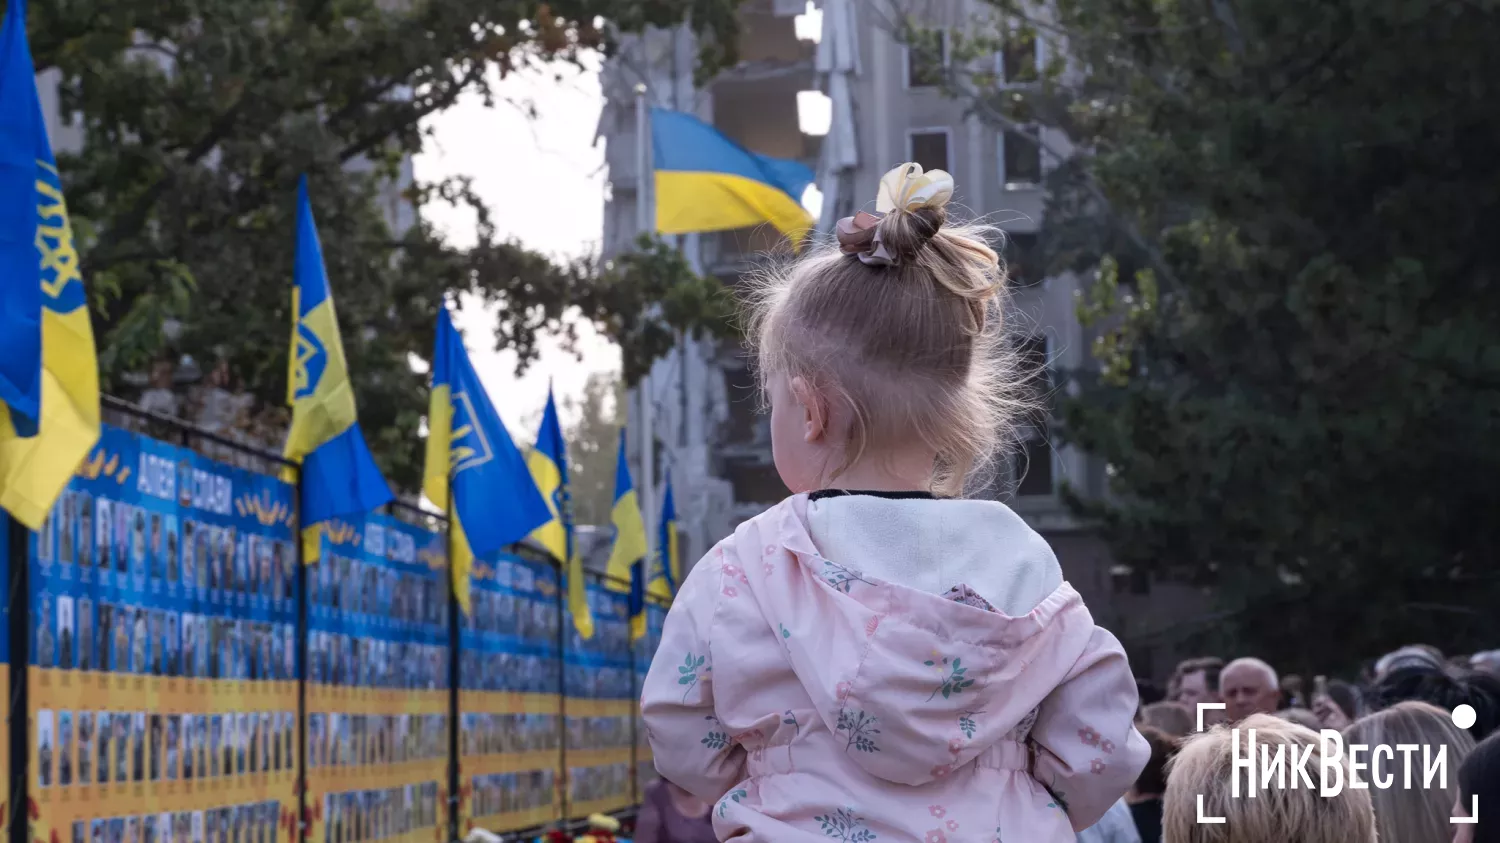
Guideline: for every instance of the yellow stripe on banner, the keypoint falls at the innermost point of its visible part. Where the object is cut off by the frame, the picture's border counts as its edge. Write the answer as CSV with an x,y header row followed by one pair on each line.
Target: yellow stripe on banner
x,y
689,202
323,780
513,762
346,700
507,702
517,820
600,708
579,758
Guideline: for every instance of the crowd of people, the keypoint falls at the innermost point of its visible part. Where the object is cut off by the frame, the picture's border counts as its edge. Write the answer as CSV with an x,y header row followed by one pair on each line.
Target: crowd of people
x,y
1407,698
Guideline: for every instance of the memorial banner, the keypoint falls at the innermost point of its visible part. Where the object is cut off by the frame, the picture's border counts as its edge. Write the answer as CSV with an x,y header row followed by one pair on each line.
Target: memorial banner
x,y
162,680
645,767
377,693
510,708
601,703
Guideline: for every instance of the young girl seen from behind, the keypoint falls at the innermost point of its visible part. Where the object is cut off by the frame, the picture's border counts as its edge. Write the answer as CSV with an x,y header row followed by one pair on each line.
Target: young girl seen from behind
x,y
876,658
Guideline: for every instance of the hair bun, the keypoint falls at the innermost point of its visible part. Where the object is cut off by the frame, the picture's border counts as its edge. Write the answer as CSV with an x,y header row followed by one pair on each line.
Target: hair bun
x,y
910,209
905,233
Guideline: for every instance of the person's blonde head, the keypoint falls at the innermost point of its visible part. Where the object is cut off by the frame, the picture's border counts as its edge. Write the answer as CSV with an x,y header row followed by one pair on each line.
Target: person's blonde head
x,y
1204,766
1172,718
1414,814
903,352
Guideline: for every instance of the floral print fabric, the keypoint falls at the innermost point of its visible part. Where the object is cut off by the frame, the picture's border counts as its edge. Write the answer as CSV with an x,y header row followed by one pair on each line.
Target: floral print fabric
x,y
811,702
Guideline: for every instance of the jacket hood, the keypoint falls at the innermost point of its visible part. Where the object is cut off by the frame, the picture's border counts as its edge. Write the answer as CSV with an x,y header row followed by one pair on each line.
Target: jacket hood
x,y
934,681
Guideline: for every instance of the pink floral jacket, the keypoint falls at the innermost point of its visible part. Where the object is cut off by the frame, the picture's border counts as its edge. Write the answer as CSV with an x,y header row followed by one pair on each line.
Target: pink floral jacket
x,y
812,703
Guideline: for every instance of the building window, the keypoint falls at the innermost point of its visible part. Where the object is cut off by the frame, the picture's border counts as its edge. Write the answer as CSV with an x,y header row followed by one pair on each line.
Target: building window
x,y
1022,258
927,59
1033,467
930,149
1019,65
1020,59
1020,158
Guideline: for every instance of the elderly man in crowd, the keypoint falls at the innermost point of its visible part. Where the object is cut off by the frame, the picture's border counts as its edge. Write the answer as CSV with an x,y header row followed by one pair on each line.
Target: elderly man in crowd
x,y
1249,686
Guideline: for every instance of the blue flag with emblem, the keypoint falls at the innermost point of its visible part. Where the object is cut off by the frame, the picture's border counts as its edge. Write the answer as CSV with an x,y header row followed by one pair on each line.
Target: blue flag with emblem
x,y
474,470
41,288
628,554
666,543
548,462
339,475
24,153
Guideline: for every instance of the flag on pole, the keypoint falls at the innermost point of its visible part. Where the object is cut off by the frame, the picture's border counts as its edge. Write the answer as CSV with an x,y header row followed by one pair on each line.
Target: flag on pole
x,y
548,462
23,150
474,470
38,454
628,553
339,475
666,543
707,182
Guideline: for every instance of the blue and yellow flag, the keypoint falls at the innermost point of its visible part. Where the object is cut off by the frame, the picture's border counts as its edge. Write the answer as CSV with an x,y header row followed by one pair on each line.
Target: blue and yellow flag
x,y
339,476
628,555
24,150
666,543
707,182
34,469
474,471
548,462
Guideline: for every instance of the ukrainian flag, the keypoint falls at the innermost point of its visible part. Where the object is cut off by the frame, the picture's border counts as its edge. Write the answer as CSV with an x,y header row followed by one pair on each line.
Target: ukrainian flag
x,y
474,471
707,182
23,149
37,458
666,544
339,476
628,555
548,462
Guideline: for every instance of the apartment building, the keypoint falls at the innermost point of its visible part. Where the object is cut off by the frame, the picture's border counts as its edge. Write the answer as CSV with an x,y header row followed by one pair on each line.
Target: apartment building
x,y
884,106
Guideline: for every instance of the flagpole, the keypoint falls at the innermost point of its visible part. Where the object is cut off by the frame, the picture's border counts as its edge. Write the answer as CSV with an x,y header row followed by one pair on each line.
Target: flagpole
x,y
645,224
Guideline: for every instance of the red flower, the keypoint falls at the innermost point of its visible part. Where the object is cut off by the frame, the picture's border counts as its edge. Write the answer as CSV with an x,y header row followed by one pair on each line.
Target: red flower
x,y
1088,736
935,836
1108,746
32,810
937,811
1097,767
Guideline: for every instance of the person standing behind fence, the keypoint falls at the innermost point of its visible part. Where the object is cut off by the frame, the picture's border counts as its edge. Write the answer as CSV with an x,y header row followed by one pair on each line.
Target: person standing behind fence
x,y
867,660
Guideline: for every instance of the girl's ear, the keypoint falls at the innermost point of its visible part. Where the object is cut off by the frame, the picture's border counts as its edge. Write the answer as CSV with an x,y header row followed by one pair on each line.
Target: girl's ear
x,y
814,410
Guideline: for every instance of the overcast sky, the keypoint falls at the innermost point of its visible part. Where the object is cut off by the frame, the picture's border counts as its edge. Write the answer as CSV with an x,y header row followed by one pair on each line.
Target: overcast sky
x,y
543,179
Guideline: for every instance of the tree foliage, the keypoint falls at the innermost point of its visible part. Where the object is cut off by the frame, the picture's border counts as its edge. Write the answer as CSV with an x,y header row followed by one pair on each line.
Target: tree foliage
x,y
198,117
593,446
1281,208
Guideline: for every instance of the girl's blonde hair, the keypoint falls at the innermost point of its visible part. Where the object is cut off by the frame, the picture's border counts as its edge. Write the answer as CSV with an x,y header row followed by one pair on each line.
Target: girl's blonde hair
x,y
914,348
1414,814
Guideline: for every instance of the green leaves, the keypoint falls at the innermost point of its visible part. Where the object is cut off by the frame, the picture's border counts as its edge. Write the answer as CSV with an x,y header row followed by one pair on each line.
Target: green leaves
x,y
1291,324
196,121
689,669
